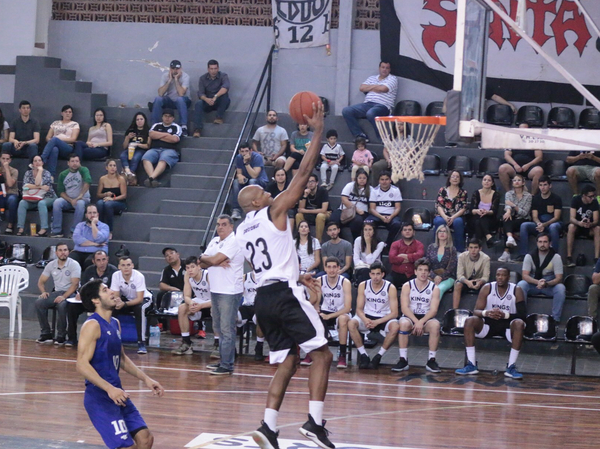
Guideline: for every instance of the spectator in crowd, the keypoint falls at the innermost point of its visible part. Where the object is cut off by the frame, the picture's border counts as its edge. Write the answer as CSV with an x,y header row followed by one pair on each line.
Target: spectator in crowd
x,y
249,170
213,94
273,140
164,148
89,236
99,141
583,221
280,183
4,129
172,278
367,249
485,205
443,259
314,206
381,91
338,248
299,142
594,292
543,275
517,210
500,311
523,162
9,198
65,273
36,180
61,137
385,202
137,140
73,188
332,155
383,164
584,166
472,271
308,249
546,209
112,194
355,198
24,136
450,206
361,158
173,93
403,254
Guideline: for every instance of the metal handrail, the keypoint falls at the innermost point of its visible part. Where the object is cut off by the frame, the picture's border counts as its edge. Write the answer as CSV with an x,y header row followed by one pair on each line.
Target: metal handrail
x,y
228,179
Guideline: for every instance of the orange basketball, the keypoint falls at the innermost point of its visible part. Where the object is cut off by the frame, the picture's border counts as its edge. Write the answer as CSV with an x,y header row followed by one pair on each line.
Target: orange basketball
x,y
301,104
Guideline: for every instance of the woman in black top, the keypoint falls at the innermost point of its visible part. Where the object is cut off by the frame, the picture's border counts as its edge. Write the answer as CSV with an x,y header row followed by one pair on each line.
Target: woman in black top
x,y
485,205
112,192
136,138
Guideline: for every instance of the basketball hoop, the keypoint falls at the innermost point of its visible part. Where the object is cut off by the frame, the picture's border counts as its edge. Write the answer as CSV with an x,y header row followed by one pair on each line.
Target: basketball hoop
x,y
408,139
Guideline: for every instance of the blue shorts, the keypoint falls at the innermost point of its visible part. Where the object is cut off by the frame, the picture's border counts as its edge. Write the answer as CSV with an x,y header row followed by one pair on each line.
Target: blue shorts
x,y
171,157
116,425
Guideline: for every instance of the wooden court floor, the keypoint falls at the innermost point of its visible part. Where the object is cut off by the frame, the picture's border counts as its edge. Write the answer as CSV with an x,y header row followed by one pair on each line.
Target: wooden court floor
x,y
41,405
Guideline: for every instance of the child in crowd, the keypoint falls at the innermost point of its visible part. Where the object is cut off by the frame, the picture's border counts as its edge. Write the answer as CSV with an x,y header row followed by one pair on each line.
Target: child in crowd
x,y
361,158
332,154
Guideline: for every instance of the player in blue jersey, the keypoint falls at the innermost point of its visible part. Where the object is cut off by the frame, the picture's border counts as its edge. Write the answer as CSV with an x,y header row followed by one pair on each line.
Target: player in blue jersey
x,y
100,356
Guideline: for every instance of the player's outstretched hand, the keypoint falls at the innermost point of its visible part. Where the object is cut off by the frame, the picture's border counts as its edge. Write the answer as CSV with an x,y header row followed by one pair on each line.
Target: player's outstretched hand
x,y
316,122
118,396
157,389
310,282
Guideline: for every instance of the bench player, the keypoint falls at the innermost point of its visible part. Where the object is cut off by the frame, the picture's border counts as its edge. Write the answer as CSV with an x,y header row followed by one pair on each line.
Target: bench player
x,y
246,312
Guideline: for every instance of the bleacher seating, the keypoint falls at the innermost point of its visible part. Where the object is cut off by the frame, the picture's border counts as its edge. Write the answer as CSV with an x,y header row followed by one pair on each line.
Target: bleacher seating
x,y
589,118
561,117
489,165
435,108
531,115
432,165
408,108
460,163
499,114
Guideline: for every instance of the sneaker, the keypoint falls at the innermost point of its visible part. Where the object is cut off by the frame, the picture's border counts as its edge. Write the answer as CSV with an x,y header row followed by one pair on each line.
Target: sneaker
x,y
402,365
56,236
375,362
218,121
184,349
215,353
324,185
519,258
364,361
236,214
570,263
184,131
70,344
318,434
432,366
60,341
201,334
329,186
265,437
510,241
213,366
45,340
511,371
142,349
307,361
155,183
505,257
467,370
220,371
148,182
258,352
197,133
342,364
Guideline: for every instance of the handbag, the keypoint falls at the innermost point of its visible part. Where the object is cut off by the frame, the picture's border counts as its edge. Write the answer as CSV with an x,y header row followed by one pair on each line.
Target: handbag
x,y
34,195
348,214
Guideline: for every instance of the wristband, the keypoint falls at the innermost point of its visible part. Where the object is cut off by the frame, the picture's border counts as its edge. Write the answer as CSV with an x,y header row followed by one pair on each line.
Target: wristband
x,y
506,315
484,313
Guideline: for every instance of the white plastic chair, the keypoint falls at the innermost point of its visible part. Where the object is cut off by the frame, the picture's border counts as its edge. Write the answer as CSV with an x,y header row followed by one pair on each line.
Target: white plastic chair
x,y
13,280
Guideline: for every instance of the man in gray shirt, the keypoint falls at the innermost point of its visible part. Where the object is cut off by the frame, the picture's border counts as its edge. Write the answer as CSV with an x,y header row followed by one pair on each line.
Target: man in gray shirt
x,y
336,247
273,140
173,93
213,93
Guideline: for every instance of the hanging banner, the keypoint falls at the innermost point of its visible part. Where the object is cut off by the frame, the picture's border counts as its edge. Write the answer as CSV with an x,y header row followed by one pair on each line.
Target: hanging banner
x,y
301,23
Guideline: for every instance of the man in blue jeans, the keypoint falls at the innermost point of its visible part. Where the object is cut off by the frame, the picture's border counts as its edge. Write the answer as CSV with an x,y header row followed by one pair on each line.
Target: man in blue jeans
x,y
173,93
164,149
250,170
213,94
546,208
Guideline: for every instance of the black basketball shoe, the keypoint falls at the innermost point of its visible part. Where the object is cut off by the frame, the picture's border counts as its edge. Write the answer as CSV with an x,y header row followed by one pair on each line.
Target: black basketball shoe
x,y
265,437
317,434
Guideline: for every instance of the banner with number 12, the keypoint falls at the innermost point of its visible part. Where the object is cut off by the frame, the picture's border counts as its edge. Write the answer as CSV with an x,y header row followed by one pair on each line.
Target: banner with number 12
x,y
301,23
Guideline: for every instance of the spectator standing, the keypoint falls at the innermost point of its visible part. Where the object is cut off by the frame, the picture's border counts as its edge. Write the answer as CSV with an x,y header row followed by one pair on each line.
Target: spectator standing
x,y
137,138
355,195
332,155
443,259
34,179
361,158
338,248
584,166
314,206
213,94
173,93
112,194
61,137
517,210
523,162
367,249
308,249
385,202
164,148
99,141
583,221
9,192
299,142
403,255
89,236
24,136
485,204
249,170
450,206
472,271
273,140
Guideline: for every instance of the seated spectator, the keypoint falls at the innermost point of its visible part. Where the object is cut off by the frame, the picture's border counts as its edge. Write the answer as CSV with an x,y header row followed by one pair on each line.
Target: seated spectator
x,y
384,164
500,311
485,204
419,302
173,93
130,287
594,292
524,162
450,206
584,166
249,170
164,148
403,254
24,136
314,206
308,249
376,311
36,179
583,221
443,259
299,142
137,140
543,275
61,137
89,236
99,141
4,129
385,202
273,140
332,155
213,94
172,279
73,188
338,248
355,195
280,183
361,158
246,313
472,271
65,273
9,192
112,194
367,249
546,209
517,210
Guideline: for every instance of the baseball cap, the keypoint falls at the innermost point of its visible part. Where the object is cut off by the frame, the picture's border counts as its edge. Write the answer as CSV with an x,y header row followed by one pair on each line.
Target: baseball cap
x,y
175,64
168,111
168,248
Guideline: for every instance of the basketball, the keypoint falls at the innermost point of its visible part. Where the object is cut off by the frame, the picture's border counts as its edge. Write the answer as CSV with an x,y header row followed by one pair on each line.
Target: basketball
x,y
301,104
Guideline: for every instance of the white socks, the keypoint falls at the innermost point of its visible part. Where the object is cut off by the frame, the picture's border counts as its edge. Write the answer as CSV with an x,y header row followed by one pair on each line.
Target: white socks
x,y
512,358
271,418
471,354
315,408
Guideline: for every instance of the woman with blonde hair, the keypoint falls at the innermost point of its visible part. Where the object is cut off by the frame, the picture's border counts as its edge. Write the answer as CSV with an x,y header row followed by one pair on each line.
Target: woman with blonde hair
x,y
443,259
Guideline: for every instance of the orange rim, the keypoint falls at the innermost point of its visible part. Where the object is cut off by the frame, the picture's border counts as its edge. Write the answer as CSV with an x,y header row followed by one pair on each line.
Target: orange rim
x,y
423,120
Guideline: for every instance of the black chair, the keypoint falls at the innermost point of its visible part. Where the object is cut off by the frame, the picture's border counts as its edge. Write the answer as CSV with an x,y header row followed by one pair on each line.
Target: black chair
x,y
499,114
408,108
424,216
580,329
491,165
589,118
460,164
561,117
530,114
540,327
453,322
432,165
434,108
556,169
577,286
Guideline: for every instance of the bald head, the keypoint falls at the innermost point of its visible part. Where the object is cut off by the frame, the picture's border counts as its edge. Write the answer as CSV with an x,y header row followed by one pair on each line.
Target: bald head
x,y
249,198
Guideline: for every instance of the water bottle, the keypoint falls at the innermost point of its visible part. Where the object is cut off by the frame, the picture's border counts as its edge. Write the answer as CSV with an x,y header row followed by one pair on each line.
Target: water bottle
x,y
424,194
276,52
154,337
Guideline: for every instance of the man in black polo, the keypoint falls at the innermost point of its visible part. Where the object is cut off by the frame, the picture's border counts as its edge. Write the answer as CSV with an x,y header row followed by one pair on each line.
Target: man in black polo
x,y
164,149
24,134
213,92
172,275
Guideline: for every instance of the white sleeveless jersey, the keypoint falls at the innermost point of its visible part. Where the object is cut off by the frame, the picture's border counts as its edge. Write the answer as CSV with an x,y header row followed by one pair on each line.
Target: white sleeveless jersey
x,y
506,303
333,295
420,300
200,288
271,252
249,289
377,303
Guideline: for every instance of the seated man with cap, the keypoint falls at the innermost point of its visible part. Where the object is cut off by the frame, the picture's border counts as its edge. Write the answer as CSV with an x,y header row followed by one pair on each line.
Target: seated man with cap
x,y
164,149
172,275
173,93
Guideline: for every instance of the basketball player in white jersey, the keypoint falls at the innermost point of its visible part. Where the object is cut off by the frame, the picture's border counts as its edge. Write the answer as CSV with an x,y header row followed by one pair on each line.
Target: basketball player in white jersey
x,y
419,302
500,311
376,311
246,312
196,302
284,314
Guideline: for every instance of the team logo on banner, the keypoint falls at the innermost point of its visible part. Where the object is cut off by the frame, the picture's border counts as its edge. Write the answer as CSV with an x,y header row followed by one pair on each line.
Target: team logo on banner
x,y
301,23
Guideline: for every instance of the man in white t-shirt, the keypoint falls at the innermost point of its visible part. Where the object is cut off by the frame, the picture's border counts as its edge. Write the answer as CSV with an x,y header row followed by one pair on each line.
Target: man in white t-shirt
x,y
225,263
273,141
